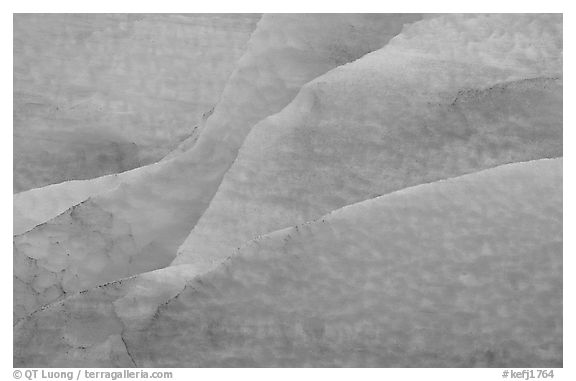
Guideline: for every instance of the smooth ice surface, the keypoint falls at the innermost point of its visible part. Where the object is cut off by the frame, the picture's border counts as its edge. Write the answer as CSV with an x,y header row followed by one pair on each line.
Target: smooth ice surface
x,y
448,96
42,204
460,272
38,206
139,225
286,52
100,94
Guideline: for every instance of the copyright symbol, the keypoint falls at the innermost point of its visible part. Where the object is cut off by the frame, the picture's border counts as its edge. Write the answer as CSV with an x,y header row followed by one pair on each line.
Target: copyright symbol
x,y
17,374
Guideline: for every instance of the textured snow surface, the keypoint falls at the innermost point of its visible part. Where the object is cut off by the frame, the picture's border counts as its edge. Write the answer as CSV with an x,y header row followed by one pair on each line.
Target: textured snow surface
x,y
459,272
139,225
99,94
394,118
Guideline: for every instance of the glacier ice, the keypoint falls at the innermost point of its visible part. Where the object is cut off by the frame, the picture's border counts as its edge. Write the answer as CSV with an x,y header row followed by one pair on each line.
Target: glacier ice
x,y
368,190
98,94
460,272
394,118
315,43
153,209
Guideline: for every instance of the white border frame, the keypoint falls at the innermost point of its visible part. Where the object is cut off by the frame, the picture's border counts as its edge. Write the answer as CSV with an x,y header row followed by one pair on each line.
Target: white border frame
x,y
294,6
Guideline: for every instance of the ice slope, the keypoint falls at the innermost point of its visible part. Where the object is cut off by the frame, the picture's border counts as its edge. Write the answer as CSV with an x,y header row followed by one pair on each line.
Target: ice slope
x,y
459,273
259,71
97,94
448,96
135,301
37,206
42,204
139,226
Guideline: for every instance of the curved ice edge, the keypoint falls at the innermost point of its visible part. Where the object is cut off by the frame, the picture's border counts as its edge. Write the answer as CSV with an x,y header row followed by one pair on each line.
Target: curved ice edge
x,y
167,157
410,189
280,232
